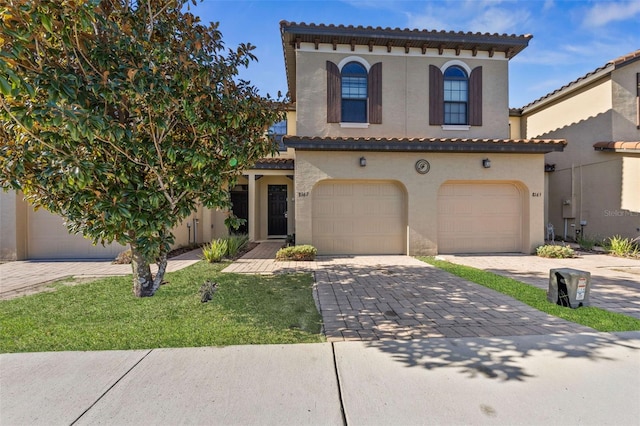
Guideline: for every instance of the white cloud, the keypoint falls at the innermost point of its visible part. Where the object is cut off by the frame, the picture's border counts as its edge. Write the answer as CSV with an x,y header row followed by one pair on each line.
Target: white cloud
x,y
477,16
603,13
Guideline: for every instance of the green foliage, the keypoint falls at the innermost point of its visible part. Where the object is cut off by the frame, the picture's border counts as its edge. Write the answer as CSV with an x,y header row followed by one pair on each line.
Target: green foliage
x,y
624,247
215,250
588,243
555,251
596,318
302,252
102,315
123,258
228,247
235,243
120,115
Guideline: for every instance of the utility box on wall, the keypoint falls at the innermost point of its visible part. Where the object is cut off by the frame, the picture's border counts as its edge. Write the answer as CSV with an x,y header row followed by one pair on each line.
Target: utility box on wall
x,y
569,287
568,207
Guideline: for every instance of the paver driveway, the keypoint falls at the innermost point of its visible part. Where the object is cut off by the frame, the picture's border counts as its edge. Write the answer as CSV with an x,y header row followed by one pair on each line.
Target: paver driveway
x,y
399,297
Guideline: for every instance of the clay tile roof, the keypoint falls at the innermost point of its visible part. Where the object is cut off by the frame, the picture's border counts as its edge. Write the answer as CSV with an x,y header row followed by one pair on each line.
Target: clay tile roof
x,y
275,163
425,144
295,33
620,146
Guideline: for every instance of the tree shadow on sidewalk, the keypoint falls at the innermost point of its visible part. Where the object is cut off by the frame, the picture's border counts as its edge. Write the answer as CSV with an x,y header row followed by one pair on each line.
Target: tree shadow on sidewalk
x,y
503,358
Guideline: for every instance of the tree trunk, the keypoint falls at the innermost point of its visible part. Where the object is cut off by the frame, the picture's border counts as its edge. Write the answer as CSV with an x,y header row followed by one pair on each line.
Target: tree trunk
x,y
144,283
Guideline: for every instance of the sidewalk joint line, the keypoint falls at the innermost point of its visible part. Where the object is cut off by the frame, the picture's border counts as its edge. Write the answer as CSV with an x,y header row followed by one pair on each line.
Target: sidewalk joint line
x,y
335,367
110,387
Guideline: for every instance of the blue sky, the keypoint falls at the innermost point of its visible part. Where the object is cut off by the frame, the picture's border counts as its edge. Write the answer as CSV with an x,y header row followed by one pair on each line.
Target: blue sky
x,y
570,38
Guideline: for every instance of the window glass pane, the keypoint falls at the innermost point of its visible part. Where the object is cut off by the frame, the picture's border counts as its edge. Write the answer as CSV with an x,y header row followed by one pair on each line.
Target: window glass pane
x,y
354,111
455,72
455,113
354,68
354,87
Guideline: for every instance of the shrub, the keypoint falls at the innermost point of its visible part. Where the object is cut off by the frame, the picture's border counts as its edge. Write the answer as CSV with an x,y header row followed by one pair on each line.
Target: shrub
x,y
303,252
555,251
587,243
235,243
123,258
619,246
215,250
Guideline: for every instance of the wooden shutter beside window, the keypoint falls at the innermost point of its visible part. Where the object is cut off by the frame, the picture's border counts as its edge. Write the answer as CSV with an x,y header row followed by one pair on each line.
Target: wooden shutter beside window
x,y
375,93
436,96
475,97
333,93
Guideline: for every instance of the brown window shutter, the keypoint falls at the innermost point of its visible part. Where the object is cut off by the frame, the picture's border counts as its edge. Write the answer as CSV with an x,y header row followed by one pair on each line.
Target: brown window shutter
x,y
475,97
436,96
333,93
375,93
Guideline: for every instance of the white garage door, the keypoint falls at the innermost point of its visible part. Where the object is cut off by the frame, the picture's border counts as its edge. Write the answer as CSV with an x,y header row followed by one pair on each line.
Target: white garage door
x,y
48,238
479,218
358,218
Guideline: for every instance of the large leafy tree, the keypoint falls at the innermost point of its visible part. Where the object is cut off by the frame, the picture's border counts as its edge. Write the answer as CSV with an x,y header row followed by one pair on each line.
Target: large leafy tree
x,y
122,115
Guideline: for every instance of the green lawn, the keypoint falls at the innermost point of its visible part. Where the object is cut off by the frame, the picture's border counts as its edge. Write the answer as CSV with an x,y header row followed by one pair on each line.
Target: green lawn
x,y
103,315
596,318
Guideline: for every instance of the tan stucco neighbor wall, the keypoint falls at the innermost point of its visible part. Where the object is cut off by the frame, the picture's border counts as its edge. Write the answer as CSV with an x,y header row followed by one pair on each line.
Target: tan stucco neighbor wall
x,y
405,93
604,186
422,190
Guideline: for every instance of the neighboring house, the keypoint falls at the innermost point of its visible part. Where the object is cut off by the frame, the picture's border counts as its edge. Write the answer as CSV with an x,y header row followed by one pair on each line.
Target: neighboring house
x,y
397,142
594,185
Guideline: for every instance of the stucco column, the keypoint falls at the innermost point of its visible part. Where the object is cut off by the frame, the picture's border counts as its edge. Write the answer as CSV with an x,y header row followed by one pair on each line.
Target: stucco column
x,y
252,206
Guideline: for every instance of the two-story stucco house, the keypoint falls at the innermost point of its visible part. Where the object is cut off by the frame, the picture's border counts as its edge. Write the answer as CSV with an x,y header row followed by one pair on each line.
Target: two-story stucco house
x,y
397,142
594,185
401,143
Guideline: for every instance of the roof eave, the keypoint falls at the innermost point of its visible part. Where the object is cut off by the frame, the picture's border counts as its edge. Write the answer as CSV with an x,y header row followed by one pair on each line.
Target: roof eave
x,y
459,147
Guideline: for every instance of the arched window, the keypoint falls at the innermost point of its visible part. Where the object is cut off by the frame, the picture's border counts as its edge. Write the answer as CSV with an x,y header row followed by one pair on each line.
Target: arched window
x,y
456,96
354,93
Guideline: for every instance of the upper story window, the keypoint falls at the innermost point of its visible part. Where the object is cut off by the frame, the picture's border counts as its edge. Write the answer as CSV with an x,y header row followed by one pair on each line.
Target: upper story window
x,y
456,95
354,93
278,130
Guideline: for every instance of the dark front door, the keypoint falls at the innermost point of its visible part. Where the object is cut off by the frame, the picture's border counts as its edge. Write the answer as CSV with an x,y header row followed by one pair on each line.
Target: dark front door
x,y
277,210
240,201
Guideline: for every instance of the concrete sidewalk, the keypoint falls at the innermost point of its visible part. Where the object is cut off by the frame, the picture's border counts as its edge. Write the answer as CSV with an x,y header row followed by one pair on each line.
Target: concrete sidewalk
x,y
568,379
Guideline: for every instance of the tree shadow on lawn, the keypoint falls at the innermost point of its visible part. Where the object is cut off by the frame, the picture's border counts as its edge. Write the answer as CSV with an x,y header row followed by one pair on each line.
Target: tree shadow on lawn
x,y
503,358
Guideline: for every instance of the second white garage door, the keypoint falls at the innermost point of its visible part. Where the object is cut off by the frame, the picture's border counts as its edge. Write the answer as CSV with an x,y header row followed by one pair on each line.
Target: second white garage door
x,y
359,218
479,218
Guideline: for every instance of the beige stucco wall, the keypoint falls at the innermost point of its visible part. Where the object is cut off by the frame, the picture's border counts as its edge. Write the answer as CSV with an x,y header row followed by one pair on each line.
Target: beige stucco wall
x,y
405,94
625,103
596,192
631,185
422,190
582,105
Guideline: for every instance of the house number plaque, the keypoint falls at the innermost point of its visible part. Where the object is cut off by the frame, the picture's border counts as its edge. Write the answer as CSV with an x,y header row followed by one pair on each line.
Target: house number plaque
x,y
422,166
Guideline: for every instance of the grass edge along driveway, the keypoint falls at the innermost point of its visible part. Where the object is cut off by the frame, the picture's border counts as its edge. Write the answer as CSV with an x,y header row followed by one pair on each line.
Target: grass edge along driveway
x,y
590,316
104,315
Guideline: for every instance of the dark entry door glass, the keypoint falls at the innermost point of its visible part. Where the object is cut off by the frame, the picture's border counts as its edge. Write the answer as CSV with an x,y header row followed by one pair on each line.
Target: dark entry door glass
x,y
277,210
240,200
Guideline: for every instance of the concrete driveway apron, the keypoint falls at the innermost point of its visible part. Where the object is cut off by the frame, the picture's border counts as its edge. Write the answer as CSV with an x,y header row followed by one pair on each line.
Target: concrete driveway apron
x,y
399,297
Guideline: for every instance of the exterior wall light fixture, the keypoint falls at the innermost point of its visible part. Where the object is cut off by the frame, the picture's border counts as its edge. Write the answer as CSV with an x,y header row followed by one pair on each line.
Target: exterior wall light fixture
x,y
486,163
363,162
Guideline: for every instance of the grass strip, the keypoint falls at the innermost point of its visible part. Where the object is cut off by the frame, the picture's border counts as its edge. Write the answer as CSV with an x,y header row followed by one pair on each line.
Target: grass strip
x,y
596,318
104,315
